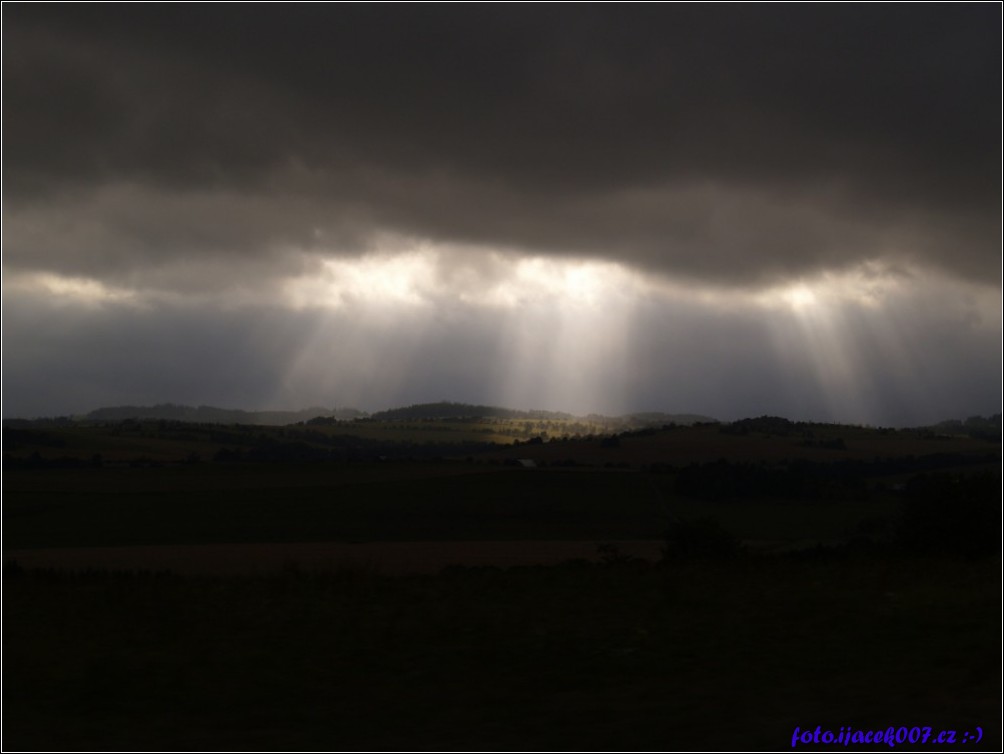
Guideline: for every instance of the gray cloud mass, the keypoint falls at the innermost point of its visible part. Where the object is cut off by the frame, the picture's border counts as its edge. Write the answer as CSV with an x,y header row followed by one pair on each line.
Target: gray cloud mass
x,y
174,153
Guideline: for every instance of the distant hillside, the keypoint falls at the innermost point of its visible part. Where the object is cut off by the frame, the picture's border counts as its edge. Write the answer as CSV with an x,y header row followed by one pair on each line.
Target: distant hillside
x,y
212,415
448,410
978,427
657,418
417,412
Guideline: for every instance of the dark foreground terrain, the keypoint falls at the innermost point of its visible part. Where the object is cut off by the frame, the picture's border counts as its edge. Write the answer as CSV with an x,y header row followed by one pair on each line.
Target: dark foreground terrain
x,y
172,586
701,655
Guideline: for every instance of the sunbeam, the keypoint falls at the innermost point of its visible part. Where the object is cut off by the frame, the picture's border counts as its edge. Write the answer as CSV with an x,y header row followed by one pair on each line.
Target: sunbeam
x,y
859,336
567,334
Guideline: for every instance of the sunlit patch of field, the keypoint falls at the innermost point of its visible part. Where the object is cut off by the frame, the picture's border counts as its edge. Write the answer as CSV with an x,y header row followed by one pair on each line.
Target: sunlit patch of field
x,y
705,443
582,440
171,442
501,431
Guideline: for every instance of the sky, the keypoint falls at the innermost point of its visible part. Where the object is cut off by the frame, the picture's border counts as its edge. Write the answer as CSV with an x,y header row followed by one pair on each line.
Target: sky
x,y
732,210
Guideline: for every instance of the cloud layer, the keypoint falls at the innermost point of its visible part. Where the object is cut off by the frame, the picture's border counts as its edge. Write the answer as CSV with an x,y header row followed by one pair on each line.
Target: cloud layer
x,y
171,165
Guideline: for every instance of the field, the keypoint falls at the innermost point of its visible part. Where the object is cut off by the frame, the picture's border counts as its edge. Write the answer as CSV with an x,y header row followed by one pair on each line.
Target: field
x,y
701,656
209,503
196,587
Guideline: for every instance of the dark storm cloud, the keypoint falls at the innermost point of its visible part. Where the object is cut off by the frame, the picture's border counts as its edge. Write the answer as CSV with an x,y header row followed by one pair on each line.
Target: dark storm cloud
x,y
361,204
728,143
